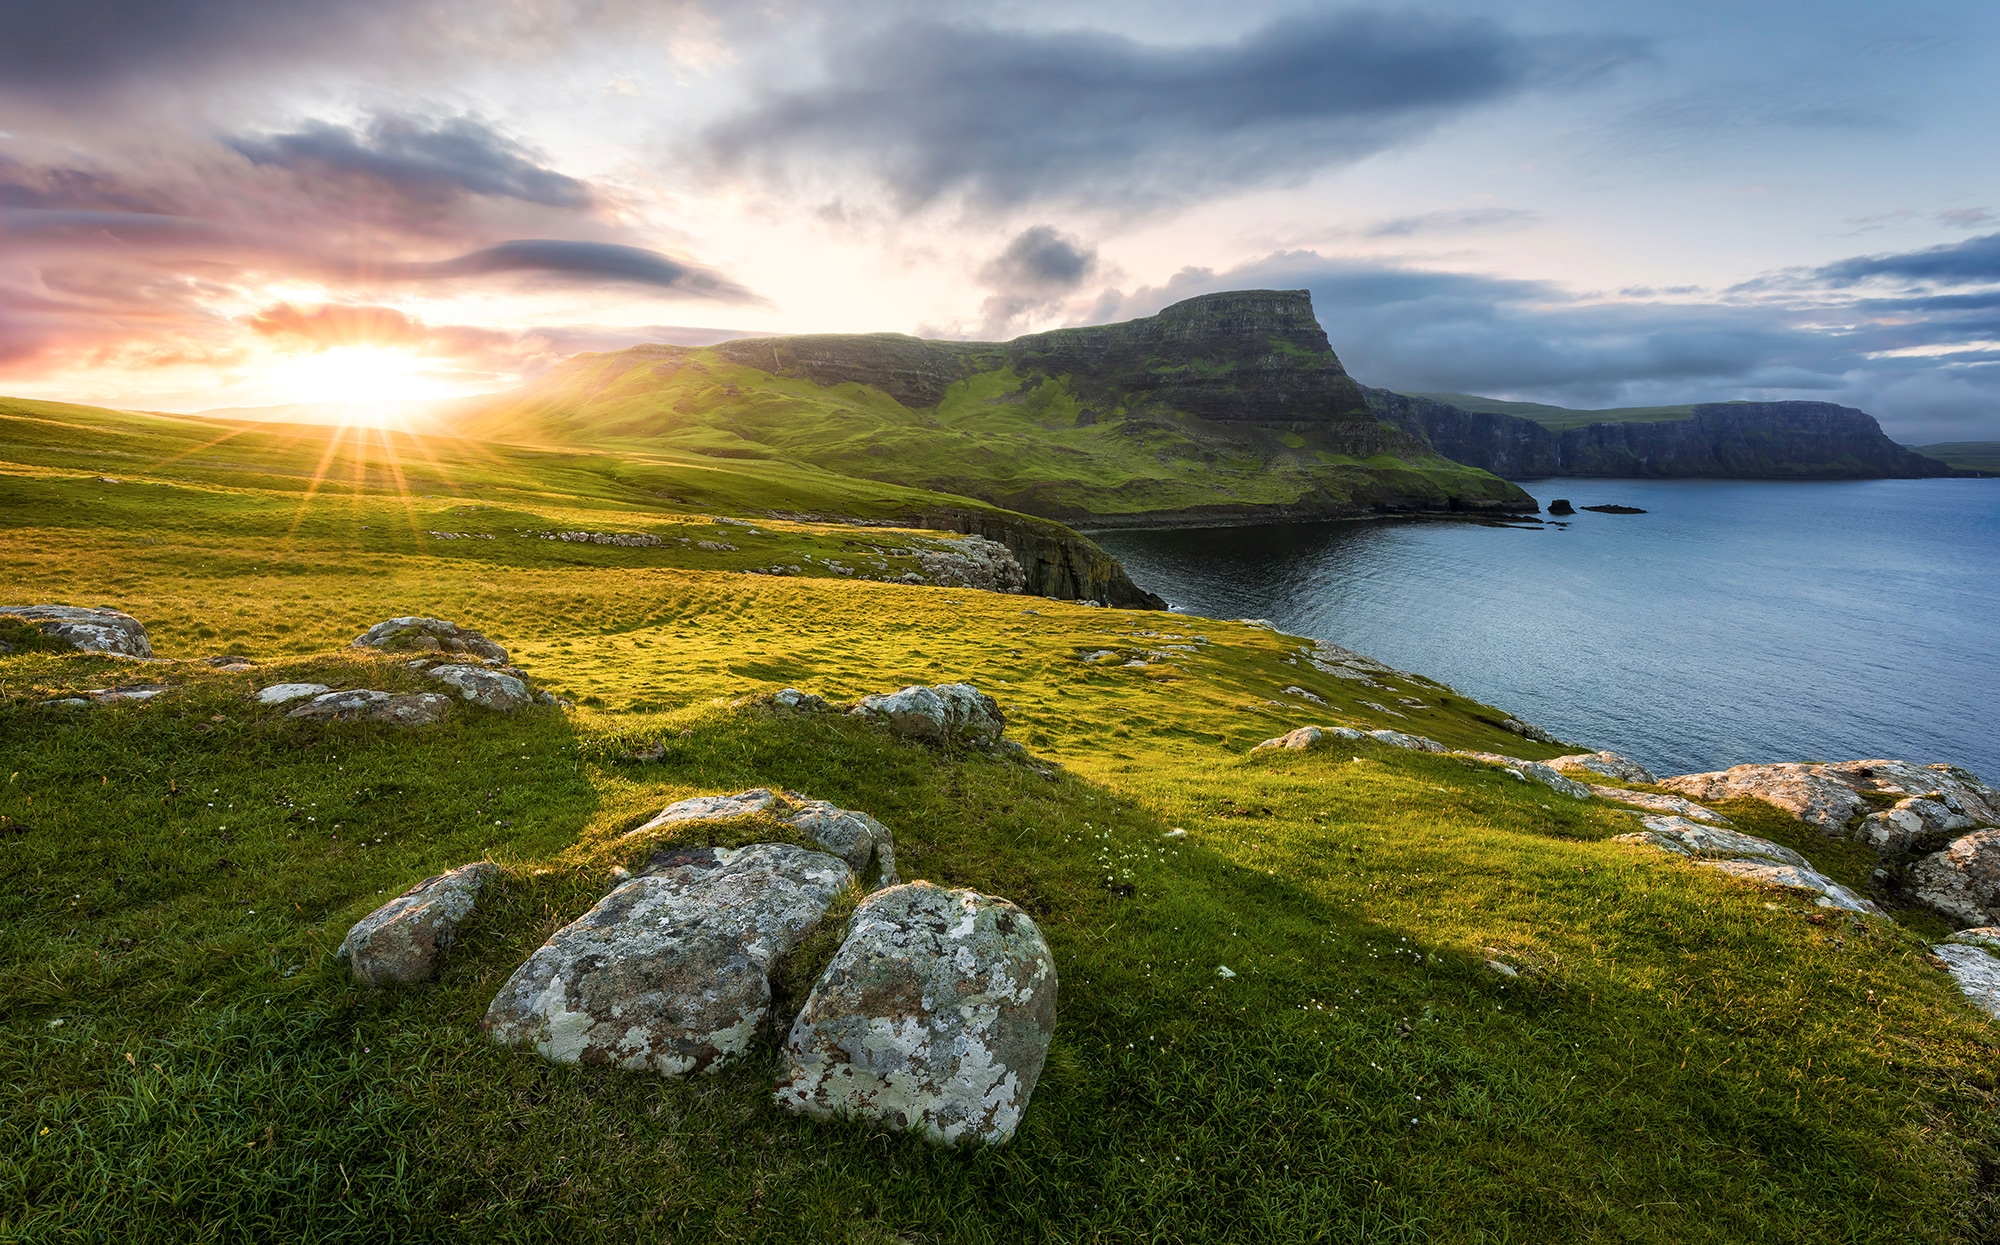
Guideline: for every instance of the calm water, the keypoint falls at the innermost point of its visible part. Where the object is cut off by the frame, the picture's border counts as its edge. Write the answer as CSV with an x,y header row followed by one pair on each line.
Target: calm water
x,y
1735,621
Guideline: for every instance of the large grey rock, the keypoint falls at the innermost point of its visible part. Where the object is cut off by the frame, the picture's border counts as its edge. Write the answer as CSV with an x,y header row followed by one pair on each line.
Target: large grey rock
x,y
669,973
1416,743
413,634
1609,764
90,630
409,709
1910,822
1830,796
401,942
1666,805
1533,771
854,837
1748,857
1308,737
1963,880
935,1015
284,693
945,713
488,688
1977,972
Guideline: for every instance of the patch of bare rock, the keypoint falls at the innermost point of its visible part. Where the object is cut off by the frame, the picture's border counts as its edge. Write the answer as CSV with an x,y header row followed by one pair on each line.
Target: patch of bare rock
x,y
855,837
428,635
397,709
1749,857
402,942
1606,764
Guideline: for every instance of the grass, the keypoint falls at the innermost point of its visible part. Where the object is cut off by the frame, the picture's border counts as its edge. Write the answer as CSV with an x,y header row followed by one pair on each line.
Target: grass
x,y
1972,455
1684,1056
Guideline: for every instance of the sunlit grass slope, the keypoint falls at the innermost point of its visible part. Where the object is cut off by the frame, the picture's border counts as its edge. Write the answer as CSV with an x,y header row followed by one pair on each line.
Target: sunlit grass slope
x,y
1684,1057
1025,442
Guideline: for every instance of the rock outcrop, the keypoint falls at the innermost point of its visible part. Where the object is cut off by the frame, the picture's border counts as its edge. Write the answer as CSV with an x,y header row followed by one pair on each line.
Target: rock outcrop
x,y
1531,771
947,713
1975,968
397,709
669,973
855,837
1607,764
402,942
935,1015
428,635
86,630
1054,561
1748,857
1741,440
1963,880
1930,800
489,689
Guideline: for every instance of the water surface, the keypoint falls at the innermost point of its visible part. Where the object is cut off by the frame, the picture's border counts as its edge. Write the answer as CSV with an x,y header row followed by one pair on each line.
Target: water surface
x,y
1734,621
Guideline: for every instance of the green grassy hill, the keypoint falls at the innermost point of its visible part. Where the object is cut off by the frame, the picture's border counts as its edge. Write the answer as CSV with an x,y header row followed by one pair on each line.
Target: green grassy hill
x,y
1238,415
1683,1056
1971,455
1562,418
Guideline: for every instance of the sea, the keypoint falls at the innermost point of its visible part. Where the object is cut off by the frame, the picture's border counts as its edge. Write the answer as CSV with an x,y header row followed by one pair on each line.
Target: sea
x,y
1734,621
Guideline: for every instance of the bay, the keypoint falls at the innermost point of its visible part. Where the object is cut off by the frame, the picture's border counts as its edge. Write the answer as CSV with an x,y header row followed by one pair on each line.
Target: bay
x,y
1734,621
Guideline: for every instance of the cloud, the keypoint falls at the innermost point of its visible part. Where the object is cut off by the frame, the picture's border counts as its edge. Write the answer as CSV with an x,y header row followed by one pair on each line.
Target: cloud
x,y
1975,259
1036,271
1919,364
586,261
423,160
1964,218
349,324
1450,221
1005,117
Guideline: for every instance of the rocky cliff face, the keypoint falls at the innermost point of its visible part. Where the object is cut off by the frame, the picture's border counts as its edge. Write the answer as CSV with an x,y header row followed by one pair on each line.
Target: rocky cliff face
x,y
1056,561
1250,356
1738,440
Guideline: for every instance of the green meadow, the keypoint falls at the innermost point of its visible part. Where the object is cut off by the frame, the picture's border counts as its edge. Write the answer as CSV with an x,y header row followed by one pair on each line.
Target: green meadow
x,y
1681,1057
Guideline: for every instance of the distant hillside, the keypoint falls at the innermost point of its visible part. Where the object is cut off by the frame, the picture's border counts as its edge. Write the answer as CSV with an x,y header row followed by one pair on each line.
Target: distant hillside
x,y
1560,418
1736,440
1967,455
1226,406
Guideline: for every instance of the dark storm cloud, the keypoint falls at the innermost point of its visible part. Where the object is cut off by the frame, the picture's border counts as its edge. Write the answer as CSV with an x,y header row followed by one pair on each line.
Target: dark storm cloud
x,y
1973,260
425,160
1421,330
1010,116
1034,271
587,261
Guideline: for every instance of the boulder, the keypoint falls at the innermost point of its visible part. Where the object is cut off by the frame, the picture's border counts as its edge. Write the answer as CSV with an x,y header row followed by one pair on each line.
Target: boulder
x,y
401,942
669,973
88,630
281,693
1963,880
1746,856
935,1015
1527,730
1831,796
428,635
1609,764
1533,771
792,700
1309,737
854,837
488,688
413,709
1397,739
1666,805
945,713
1977,972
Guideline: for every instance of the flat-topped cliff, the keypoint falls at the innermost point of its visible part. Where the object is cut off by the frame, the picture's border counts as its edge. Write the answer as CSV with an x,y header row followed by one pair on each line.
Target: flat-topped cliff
x,y
1739,440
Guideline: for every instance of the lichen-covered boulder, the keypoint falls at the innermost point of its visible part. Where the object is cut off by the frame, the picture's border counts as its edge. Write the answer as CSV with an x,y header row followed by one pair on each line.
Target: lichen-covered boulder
x,y
488,688
792,700
1748,857
1532,771
88,630
669,973
407,709
854,837
1910,822
1962,881
1306,737
945,713
1976,969
1801,790
284,693
402,942
935,1015
428,635
1415,743
1831,796
1608,764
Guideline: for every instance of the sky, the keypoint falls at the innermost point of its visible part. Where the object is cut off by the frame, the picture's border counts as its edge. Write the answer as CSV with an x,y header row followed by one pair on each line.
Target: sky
x,y
237,203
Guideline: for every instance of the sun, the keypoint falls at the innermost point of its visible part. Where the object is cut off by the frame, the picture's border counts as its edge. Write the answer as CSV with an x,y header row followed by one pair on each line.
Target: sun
x,y
371,385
